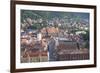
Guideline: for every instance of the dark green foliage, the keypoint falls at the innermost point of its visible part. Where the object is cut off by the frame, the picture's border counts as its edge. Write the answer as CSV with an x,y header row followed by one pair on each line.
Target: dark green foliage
x,y
86,38
36,26
47,15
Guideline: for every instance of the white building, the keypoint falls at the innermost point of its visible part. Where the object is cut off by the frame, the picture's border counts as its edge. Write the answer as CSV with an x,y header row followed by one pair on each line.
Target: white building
x,y
39,36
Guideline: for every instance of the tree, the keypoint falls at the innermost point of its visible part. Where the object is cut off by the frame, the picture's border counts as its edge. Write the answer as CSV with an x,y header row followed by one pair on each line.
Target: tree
x,y
86,39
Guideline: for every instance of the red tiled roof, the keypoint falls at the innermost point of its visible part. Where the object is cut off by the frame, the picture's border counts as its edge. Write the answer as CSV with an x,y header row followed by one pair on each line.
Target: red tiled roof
x,y
35,54
50,30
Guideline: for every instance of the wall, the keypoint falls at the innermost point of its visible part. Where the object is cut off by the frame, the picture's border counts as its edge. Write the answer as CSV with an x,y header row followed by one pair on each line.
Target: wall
x,y
5,36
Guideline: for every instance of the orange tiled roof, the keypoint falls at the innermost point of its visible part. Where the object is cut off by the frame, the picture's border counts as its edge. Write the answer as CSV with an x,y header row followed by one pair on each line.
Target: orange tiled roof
x,y
50,30
35,54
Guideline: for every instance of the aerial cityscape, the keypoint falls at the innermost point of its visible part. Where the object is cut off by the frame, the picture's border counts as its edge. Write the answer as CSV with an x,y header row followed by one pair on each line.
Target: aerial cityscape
x,y
48,36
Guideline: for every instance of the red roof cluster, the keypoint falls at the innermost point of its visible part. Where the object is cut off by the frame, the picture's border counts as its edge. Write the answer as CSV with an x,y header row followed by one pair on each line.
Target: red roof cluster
x,y
35,53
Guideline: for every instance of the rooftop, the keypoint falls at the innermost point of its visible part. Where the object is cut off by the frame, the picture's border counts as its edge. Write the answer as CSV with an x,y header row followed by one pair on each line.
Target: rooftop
x,y
35,54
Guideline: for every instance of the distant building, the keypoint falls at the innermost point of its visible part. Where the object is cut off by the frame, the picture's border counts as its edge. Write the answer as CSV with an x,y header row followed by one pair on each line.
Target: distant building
x,y
68,50
50,31
67,45
37,53
34,56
